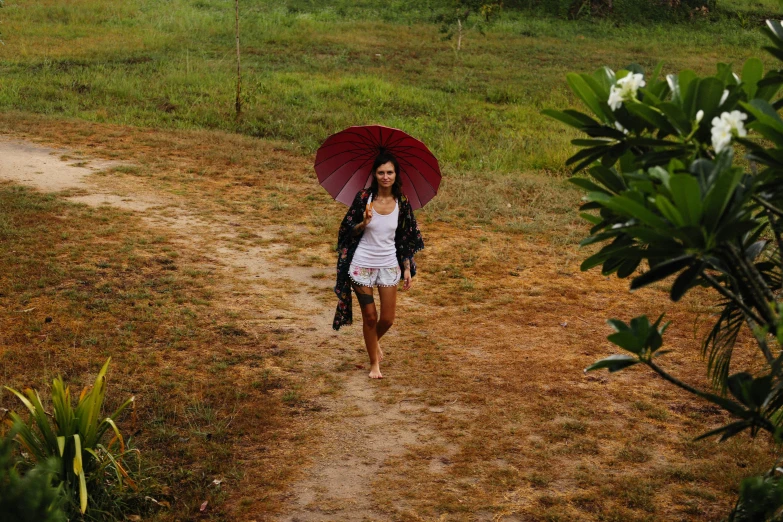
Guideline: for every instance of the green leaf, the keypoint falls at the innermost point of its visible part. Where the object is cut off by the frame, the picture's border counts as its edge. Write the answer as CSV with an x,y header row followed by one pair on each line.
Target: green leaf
x,y
78,470
605,78
597,153
570,119
774,31
678,118
684,80
42,421
651,116
595,220
609,178
587,185
618,325
581,142
728,431
614,363
587,153
752,72
661,271
586,94
739,385
604,254
768,87
706,97
687,197
627,340
685,281
626,206
628,267
669,211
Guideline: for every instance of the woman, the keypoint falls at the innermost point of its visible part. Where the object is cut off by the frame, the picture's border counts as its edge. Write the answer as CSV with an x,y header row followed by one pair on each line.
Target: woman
x,y
376,243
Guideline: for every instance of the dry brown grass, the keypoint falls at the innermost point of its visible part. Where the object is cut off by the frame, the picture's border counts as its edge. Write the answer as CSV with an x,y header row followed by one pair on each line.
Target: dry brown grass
x,y
488,347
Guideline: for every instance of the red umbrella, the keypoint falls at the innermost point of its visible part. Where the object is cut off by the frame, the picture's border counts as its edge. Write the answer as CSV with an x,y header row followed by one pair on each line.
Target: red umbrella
x,y
344,161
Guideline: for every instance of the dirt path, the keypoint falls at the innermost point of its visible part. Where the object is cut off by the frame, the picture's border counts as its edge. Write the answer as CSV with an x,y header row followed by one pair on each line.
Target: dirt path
x,y
359,432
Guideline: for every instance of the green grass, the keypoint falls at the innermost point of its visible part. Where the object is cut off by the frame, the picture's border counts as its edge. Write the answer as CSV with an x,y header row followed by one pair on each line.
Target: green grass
x,y
311,69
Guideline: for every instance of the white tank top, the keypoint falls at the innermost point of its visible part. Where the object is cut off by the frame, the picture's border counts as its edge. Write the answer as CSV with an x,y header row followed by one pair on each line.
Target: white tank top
x,y
376,247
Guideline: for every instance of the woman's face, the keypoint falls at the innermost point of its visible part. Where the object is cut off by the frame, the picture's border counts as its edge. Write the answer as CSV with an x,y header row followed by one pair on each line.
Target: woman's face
x,y
385,175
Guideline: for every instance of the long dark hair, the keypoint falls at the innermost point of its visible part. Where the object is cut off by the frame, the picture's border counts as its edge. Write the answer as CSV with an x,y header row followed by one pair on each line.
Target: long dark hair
x,y
380,159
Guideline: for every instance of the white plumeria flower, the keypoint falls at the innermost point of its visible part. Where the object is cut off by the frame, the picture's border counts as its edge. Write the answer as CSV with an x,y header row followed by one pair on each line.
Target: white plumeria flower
x,y
625,89
734,119
723,97
615,100
721,137
699,116
727,127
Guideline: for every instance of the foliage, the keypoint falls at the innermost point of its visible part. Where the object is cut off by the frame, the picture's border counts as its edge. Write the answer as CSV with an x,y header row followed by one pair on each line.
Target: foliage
x,y
668,194
28,496
73,439
760,498
454,17
626,10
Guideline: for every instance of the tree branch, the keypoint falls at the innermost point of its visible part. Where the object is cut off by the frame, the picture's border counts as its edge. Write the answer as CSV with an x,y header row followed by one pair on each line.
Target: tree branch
x,y
732,297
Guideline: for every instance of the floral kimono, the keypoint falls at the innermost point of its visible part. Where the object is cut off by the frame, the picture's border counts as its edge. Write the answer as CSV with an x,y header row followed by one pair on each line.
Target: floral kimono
x,y
407,240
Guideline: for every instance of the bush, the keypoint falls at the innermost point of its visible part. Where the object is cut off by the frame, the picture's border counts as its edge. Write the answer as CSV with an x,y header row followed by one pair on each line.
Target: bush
x,y
28,497
624,10
664,192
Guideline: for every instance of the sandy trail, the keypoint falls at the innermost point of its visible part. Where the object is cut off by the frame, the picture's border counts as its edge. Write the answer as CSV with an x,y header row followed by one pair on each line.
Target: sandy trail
x,y
358,432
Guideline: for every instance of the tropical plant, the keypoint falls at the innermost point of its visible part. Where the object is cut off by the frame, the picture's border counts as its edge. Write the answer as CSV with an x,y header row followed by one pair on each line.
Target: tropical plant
x,y
27,496
73,438
665,190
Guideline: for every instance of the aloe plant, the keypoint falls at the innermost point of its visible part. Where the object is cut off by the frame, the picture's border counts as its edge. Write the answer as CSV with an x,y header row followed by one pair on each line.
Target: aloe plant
x,y
73,437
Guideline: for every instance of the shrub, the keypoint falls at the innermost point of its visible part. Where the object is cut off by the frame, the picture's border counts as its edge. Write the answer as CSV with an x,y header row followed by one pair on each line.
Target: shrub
x,y
30,496
664,191
626,10
73,437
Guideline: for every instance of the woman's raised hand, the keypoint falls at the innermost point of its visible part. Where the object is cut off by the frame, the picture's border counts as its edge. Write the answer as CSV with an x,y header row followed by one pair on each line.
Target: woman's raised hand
x,y
367,215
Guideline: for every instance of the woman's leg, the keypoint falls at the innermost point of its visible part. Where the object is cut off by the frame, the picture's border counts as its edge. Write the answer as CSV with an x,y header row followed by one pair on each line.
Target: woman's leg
x,y
369,328
388,297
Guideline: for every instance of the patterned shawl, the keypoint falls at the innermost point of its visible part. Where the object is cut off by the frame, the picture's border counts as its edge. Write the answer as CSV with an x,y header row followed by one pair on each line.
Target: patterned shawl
x,y
407,240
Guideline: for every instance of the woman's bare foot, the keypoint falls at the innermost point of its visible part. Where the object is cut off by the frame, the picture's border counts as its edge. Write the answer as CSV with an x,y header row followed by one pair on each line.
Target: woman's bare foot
x,y
380,354
375,371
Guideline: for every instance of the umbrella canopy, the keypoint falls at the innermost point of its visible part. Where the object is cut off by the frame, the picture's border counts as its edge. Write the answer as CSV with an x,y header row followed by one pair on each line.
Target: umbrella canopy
x,y
344,161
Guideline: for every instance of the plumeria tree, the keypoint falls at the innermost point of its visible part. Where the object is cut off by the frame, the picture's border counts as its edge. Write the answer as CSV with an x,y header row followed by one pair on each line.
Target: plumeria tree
x,y
683,181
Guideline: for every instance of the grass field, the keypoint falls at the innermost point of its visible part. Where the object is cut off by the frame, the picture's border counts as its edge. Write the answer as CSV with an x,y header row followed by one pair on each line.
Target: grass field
x,y
310,72
224,392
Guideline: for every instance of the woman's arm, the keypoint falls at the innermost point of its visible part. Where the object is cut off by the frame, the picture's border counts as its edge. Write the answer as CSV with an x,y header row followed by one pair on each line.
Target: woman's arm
x,y
406,275
351,221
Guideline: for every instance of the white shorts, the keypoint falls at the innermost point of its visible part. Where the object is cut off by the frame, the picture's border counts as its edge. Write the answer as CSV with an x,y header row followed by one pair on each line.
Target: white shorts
x,y
375,276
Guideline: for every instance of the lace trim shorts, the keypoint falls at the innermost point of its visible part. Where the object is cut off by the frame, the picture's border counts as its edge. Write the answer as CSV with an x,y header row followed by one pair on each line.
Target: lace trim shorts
x,y
375,276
